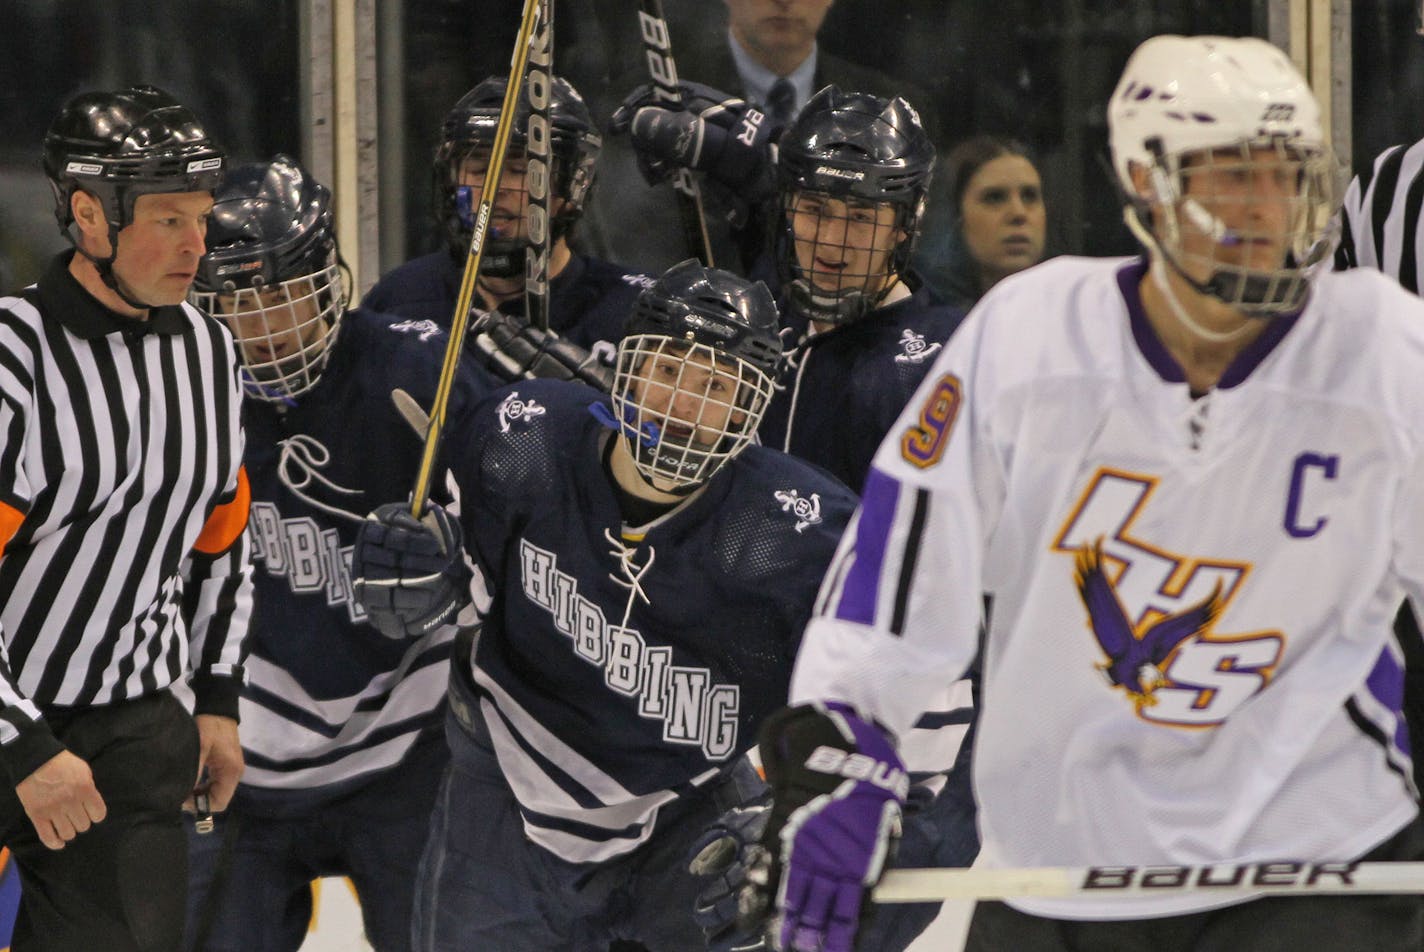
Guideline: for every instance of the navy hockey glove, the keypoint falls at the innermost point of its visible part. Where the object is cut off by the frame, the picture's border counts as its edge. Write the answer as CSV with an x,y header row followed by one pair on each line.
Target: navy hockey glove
x,y
712,132
409,574
838,787
514,349
722,856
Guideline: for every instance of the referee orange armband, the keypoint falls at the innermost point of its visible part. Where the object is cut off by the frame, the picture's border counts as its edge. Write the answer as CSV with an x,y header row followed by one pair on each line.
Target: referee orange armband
x,y
10,519
227,520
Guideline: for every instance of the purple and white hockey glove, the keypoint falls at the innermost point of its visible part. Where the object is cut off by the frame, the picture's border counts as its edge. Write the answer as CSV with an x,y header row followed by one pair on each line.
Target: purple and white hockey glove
x,y
409,574
837,791
712,132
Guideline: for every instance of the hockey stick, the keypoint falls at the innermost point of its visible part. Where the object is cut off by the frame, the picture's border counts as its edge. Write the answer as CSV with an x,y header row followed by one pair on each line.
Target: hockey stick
x,y
1137,882
460,322
656,43
539,152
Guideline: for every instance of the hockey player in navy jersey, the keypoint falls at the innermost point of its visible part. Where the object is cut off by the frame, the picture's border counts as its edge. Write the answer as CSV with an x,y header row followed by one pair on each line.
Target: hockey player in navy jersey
x,y
846,197
1194,485
341,725
853,174
588,297
645,571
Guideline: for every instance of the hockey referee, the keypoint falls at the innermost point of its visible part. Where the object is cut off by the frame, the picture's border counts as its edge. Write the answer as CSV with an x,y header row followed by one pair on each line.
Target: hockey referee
x,y
123,506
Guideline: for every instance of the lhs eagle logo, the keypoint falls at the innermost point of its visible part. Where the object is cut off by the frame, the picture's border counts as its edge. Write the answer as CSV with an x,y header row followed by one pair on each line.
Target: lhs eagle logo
x,y
806,511
1136,657
914,349
514,408
1153,611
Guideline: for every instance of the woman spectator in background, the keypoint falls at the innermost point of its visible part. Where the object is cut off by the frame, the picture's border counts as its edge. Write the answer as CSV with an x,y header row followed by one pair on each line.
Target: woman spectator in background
x,y
999,217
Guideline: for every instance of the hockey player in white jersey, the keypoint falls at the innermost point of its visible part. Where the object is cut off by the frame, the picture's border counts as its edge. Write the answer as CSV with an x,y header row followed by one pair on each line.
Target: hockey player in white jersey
x,y
1194,485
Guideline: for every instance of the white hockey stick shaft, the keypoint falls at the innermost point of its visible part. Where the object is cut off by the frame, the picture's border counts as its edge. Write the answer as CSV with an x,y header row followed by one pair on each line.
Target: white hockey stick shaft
x,y
657,46
1137,882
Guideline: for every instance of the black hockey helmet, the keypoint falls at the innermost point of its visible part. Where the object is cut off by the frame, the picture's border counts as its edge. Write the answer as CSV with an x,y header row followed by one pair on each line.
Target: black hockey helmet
x,y
271,222
858,148
272,273
120,145
470,126
731,315
695,371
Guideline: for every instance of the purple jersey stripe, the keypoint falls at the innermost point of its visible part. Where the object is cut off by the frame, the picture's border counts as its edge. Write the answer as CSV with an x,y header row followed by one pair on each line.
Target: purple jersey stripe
x,y
1386,684
872,535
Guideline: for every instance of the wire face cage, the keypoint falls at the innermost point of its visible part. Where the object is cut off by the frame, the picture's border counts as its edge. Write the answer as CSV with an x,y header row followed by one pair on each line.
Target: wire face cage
x,y
1252,223
846,251
686,408
284,331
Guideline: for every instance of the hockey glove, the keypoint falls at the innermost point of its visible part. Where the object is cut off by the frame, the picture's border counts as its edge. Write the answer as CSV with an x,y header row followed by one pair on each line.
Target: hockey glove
x,y
409,574
712,132
514,349
722,855
837,790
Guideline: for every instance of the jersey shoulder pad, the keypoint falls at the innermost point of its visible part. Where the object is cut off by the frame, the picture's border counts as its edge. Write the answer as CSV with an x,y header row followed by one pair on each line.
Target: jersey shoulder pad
x,y
1054,313
417,288
525,435
1374,331
793,494
777,526
543,408
392,352
916,335
636,281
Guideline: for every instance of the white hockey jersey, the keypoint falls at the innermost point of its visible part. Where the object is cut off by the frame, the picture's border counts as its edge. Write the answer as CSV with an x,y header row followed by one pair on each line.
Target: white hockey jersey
x,y
1190,658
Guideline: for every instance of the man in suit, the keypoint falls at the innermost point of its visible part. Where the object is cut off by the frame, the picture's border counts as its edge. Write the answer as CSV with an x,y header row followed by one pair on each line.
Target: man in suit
x,y
762,50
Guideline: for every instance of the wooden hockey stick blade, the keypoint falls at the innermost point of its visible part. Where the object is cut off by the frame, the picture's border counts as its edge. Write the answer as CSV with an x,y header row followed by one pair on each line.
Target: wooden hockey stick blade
x,y
1138,882
411,411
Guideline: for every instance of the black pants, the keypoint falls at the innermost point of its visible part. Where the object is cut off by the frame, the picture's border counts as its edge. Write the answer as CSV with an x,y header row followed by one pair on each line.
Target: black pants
x,y
1364,923
120,886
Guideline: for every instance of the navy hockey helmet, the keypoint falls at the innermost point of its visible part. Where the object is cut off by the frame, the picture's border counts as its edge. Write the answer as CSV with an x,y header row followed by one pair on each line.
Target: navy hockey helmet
x,y
695,371
867,152
272,274
469,127
119,145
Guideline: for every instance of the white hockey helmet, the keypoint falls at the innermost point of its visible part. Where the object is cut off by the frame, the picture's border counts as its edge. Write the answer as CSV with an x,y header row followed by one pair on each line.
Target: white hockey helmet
x,y
1195,97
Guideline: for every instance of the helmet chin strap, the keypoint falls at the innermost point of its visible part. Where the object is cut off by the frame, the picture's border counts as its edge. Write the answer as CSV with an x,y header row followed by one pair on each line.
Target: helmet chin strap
x,y
105,267
1160,259
1159,274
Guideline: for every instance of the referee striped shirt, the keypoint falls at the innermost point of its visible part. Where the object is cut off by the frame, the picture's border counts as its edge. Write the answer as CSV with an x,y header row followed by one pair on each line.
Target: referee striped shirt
x,y
1380,225
123,509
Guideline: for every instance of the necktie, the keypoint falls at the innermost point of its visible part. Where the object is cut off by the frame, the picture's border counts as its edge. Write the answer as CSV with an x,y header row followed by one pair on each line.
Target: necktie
x,y
781,103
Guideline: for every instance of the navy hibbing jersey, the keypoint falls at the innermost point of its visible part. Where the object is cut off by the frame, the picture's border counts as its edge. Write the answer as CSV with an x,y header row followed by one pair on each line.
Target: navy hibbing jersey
x,y
621,667
846,387
589,301
330,700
